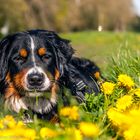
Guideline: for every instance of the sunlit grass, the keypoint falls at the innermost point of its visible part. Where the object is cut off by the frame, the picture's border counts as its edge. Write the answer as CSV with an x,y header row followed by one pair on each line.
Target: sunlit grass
x,y
112,114
99,46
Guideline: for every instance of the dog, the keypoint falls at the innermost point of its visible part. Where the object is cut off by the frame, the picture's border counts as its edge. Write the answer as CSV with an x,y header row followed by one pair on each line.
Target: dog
x,y
35,65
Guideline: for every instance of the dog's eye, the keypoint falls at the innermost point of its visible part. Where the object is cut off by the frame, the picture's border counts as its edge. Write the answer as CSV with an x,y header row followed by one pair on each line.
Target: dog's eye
x,y
19,59
46,56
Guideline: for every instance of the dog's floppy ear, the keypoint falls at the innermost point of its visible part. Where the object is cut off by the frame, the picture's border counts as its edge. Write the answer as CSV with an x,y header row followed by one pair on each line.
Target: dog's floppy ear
x,y
63,52
4,57
62,49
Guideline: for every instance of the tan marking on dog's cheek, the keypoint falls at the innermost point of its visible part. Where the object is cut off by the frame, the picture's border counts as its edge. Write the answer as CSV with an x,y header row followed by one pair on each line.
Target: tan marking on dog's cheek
x,y
23,53
42,51
19,79
12,96
10,90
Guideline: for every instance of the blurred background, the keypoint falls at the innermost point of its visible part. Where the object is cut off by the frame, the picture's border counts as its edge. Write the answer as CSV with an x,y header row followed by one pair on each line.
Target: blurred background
x,y
69,15
94,26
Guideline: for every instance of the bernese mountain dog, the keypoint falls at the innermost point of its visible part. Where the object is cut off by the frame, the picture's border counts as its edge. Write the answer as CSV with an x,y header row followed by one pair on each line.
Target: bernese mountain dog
x,y
36,65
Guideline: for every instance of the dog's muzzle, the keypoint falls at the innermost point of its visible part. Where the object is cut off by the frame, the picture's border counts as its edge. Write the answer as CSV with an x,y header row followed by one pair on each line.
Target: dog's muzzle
x,y
37,80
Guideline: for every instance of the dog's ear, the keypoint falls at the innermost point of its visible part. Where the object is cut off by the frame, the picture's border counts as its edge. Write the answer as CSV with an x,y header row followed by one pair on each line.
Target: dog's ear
x,y
4,57
63,52
61,48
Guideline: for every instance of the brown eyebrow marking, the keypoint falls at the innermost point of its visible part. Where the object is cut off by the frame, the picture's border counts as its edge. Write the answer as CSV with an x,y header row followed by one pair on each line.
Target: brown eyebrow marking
x,y
42,51
23,53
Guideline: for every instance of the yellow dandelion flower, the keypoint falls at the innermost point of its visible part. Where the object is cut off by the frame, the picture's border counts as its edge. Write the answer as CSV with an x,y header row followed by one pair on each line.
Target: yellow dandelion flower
x,y
19,132
127,122
129,134
132,133
65,111
73,133
125,81
29,133
20,124
107,88
74,115
77,135
70,112
47,132
9,118
1,124
118,118
9,121
124,102
89,129
7,133
134,112
137,92
13,129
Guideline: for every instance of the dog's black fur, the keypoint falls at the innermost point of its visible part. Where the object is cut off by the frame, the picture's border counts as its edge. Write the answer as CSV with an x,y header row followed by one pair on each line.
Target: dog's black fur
x,y
55,60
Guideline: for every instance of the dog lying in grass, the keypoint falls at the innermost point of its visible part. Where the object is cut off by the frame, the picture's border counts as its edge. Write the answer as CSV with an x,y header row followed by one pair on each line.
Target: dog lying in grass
x,y
35,65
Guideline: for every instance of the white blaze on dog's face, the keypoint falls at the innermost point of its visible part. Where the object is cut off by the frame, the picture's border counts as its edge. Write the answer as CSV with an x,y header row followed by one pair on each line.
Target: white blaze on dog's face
x,y
36,79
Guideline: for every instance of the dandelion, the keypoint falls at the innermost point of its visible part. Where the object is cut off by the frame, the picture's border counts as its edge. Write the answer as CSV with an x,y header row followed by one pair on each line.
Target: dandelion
x,y
127,122
20,124
132,133
9,121
15,130
74,133
118,118
124,102
125,81
29,133
89,129
137,92
129,134
48,133
77,135
107,88
135,111
70,112
24,133
1,125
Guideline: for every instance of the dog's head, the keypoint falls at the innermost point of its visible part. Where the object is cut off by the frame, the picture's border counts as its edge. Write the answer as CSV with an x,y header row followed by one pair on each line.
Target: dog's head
x,y
33,61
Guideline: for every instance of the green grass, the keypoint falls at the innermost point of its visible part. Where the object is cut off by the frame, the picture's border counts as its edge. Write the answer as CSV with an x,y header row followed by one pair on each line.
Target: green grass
x,y
99,46
115,53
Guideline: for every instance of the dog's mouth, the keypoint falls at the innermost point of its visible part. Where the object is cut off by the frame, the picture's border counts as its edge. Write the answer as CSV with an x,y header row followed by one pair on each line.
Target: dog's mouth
x,y
44,87
38,93
42,104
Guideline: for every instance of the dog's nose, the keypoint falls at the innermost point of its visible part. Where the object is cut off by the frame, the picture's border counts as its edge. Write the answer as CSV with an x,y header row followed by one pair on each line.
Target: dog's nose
x,y
35,79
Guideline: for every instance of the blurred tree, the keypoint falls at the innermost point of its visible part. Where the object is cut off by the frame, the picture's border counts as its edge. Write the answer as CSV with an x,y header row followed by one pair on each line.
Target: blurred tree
x,y
111,14
135,26
62,15
120,14
15,14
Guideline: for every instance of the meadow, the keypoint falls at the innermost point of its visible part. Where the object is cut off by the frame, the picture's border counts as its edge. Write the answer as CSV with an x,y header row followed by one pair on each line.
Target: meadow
x,y
112,114
99,46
